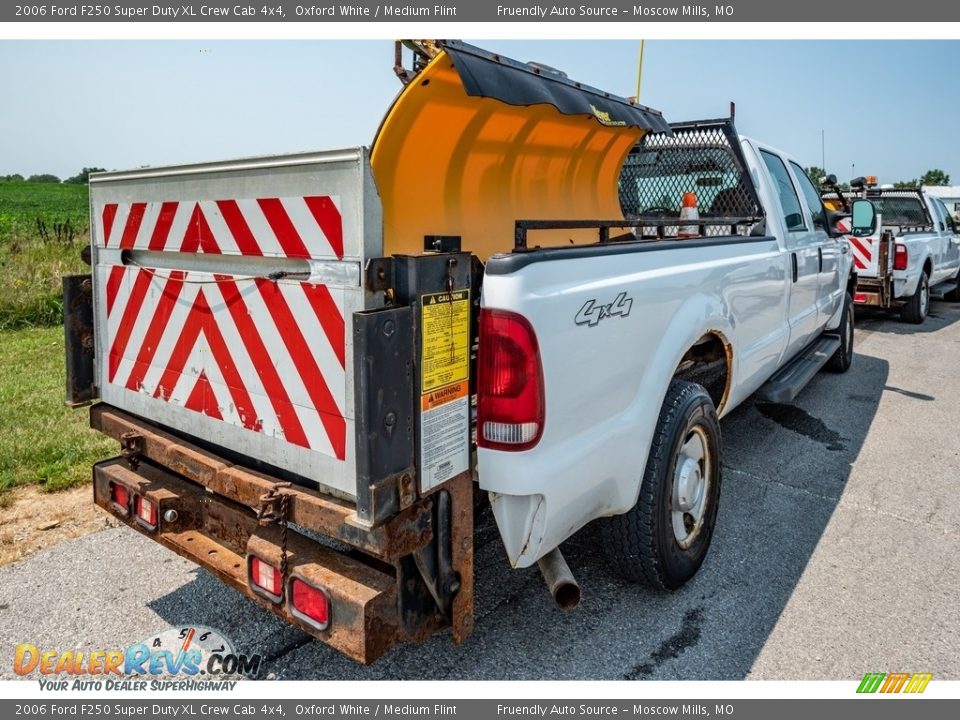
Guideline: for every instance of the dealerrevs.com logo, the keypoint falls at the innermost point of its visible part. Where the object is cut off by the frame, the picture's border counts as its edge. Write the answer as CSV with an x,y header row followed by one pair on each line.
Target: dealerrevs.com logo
x,y
178,658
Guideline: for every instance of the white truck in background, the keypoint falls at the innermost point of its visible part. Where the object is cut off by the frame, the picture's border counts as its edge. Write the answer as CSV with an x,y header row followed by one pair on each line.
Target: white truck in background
x,y
913,254
291,348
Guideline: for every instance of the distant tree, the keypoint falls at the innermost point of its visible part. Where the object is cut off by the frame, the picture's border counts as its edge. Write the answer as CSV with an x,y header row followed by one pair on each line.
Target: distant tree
x,y
934,177
901,184
817,174
16,177
43,179
83,177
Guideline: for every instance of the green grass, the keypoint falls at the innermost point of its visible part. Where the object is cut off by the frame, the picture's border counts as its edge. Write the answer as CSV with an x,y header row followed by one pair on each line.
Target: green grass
x,y
43,227
42,440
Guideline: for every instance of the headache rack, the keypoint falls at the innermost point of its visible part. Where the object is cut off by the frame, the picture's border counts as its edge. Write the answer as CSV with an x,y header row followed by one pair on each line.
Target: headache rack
x,y
902,208
703,158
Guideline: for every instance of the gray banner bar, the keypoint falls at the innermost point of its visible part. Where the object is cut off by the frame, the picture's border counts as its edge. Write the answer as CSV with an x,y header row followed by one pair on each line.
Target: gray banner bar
x,y
626,11
875,708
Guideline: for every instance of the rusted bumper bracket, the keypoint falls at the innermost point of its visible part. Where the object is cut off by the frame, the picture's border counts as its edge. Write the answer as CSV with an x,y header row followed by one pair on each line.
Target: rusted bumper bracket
x,y
219,535
401,580
404,533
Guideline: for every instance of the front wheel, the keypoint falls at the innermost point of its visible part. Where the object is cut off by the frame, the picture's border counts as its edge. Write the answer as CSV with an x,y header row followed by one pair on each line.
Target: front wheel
x,y
916,308
840,361
664,538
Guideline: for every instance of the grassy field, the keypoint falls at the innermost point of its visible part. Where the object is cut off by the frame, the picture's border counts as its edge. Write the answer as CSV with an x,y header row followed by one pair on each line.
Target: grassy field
x,y
43,227
41,440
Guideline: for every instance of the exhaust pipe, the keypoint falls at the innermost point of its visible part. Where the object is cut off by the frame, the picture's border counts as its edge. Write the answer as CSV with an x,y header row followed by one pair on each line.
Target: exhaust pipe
x,y
560,581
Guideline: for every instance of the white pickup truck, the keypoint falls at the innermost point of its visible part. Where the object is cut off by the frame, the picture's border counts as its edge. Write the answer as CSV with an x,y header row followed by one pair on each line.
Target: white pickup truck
x,y
912,254
311,361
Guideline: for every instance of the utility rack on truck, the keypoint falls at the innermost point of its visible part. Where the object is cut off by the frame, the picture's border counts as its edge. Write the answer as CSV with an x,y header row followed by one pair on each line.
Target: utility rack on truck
x,y
306,358
284,347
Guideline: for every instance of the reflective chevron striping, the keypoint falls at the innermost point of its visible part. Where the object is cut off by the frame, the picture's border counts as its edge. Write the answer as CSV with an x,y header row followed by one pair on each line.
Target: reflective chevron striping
x,y
262,355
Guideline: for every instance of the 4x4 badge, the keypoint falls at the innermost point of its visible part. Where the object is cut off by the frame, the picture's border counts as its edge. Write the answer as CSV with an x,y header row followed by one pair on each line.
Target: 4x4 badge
x,y
593,312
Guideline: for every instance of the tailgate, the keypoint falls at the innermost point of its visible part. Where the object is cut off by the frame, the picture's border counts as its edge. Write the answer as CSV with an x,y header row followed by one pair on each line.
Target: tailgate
x,y
221,293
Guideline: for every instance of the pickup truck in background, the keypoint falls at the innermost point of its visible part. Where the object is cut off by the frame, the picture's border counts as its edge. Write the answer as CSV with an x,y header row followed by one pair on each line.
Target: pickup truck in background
x,y
913,254
312,362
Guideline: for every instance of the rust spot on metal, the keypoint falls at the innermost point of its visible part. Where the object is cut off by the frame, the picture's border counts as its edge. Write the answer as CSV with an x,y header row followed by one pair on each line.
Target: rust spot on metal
x,y
363,622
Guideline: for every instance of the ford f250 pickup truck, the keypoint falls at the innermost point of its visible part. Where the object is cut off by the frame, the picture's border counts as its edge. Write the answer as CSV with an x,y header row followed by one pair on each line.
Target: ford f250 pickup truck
x,y
913,253
312,362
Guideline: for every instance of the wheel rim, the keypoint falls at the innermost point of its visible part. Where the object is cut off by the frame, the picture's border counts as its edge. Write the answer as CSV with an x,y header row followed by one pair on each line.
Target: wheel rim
x,y
691,487
924,295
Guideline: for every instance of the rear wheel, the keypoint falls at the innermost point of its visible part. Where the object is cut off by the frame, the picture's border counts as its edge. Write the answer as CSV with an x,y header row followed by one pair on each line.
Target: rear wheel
x,y
916,308
840,361
664,538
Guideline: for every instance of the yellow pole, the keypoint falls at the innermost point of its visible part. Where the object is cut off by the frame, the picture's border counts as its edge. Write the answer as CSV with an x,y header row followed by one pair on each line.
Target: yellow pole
x,y
640,70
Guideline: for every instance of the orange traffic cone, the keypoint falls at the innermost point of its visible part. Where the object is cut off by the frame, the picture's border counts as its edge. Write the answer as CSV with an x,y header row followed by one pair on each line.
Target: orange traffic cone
x,y
689,212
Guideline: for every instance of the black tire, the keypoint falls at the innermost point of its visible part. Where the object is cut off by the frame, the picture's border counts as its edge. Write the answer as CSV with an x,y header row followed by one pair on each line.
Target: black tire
x,y
841,360
916,308
642,544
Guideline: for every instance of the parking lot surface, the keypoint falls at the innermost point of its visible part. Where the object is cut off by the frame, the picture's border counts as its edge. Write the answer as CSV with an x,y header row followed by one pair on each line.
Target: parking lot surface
x,y
837,552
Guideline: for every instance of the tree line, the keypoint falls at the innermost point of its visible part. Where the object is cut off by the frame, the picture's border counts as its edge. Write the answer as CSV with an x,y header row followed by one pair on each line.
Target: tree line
x,y
81,178
930,177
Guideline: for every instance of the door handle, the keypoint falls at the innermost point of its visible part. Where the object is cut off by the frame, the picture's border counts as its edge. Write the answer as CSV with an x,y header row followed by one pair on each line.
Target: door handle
x,y
796,275
820,259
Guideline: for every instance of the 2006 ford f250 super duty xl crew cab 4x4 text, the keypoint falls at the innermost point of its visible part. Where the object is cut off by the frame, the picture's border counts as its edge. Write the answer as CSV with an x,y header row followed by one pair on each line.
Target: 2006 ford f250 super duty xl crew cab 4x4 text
x,y
312,361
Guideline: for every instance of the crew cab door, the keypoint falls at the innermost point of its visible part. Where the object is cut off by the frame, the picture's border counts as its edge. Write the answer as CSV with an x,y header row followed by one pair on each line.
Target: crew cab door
x,y
950,260
803,254
831,288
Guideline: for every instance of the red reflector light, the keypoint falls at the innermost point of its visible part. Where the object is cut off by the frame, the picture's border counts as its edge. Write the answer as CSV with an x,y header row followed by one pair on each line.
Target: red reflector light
x,y
265,577
510,394
309,603
859,297
899,257
120,496
145,510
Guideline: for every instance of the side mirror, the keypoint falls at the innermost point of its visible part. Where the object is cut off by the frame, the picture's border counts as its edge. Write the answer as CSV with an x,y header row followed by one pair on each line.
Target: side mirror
x,y
863,219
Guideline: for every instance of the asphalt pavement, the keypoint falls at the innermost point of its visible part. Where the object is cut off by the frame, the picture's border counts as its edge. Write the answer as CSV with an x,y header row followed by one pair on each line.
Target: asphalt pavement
x,y
837,553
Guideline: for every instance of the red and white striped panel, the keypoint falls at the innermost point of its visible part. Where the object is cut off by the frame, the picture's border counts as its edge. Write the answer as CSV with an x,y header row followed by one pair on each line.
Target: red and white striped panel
x,y
861,248
262,355
296,227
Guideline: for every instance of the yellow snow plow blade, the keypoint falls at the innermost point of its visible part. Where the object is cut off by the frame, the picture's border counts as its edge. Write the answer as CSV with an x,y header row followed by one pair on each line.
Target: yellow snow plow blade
x,y
450,161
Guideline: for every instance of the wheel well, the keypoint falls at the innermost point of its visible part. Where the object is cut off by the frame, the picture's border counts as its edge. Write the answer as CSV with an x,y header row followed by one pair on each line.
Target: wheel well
x,y
707,363
928,267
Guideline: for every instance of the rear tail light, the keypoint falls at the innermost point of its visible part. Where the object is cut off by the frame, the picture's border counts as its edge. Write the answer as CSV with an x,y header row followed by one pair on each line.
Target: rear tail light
x,y
510,394
264,578
859,297
120,496
146,511
899,257
308,603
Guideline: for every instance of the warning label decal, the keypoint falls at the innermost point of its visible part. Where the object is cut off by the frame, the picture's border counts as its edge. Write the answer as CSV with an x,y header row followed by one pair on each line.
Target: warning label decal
x,y
444,434
445,328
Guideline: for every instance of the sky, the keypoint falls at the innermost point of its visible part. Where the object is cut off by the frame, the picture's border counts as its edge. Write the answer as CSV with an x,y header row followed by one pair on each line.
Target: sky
x,y
886,108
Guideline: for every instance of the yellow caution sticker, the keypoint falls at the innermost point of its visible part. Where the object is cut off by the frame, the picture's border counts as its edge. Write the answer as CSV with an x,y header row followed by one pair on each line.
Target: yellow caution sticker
x,y
445,329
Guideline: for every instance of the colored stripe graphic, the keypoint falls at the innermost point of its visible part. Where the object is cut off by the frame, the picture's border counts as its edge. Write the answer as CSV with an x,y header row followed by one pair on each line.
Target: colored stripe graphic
x,y
265,356
893,683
